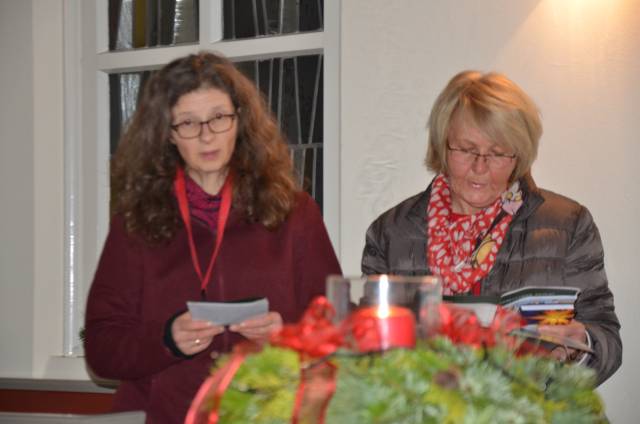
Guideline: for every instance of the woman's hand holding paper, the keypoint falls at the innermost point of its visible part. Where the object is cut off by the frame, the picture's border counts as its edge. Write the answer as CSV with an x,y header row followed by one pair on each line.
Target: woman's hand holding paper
x,y
193,336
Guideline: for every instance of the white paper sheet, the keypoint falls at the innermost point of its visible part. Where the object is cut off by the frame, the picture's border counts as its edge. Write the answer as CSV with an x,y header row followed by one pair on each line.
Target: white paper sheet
x,y
224,313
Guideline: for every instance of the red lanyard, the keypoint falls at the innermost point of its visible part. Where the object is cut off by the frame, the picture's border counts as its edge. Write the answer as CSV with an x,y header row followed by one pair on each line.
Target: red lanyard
x,y
183,204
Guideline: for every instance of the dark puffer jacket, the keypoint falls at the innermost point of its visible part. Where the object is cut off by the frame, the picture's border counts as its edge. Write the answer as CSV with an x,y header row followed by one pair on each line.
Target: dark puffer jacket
x,y
552,241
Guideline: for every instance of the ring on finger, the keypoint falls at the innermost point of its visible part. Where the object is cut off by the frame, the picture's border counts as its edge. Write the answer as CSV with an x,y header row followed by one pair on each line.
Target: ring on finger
x,y
196,342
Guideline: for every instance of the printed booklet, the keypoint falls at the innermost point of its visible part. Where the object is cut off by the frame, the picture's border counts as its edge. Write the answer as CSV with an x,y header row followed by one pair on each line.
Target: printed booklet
x,y
539,305
551,305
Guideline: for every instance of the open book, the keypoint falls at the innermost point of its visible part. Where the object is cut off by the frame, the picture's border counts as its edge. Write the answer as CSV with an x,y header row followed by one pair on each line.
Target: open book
x,y
539,305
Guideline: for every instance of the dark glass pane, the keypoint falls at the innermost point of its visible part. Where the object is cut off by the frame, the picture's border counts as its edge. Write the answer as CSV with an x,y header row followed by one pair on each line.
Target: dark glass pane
x,y
242,17
248,69
309,170
274,84
115,112
319,177
148,23
293,89
310,78
271,16
258,18
311,15
124,91
318,115
288,16
298,163
263,79
288,112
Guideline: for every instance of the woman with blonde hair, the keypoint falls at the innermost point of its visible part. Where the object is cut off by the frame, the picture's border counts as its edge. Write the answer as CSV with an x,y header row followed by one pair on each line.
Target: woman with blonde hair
x,y
484,226
205,207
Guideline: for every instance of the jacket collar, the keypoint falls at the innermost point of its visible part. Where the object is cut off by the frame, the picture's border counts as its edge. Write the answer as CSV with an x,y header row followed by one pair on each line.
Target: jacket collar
x,y
417,214
531,197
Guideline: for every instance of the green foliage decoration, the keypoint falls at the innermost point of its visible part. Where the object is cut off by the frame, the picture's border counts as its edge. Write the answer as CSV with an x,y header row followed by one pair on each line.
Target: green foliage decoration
x,y
437,382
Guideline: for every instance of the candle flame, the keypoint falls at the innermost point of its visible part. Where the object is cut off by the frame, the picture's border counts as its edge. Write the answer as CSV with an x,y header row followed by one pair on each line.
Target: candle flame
x,y
383,297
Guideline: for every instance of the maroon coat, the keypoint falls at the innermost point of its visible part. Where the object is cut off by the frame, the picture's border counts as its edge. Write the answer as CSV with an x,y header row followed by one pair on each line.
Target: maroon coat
x,y
138,287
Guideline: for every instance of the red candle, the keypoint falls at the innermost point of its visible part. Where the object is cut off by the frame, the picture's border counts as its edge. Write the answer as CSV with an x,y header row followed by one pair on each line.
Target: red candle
x,y
382,327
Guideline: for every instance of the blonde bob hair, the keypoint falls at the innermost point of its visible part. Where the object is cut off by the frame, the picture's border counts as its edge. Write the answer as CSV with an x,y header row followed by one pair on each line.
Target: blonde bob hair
x,y
494,105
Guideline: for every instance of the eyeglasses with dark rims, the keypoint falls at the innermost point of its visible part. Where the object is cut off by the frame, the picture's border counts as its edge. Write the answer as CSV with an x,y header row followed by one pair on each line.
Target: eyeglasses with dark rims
x,y
468,156
219,123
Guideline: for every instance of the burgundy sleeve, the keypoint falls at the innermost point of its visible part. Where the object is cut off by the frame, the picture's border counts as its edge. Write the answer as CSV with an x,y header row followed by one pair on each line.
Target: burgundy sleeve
x,y
315,258
118,343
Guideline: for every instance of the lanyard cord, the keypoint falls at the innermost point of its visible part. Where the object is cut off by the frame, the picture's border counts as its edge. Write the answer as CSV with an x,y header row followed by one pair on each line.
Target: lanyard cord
x,y
225,207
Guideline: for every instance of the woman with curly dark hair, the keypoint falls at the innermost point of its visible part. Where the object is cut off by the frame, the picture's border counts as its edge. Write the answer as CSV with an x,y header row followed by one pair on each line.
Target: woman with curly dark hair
x,y
205,207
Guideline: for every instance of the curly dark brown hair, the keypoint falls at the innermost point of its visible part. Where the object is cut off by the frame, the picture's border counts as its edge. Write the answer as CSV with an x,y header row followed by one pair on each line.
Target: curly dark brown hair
x,y
145,163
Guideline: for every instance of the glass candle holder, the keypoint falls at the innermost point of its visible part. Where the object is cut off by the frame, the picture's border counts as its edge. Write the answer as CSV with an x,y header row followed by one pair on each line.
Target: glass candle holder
x,y
385,311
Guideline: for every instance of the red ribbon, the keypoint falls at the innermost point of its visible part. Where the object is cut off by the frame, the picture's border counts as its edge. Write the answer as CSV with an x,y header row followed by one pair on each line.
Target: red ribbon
x,y
461,325
315,336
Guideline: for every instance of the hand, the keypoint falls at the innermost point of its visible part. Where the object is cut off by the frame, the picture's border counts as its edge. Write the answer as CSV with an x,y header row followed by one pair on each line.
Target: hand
x,y
574,330
193,336
259,328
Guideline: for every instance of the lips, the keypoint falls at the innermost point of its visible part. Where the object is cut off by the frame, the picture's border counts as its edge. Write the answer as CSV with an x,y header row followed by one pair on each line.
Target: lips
x,y
477,185
209,155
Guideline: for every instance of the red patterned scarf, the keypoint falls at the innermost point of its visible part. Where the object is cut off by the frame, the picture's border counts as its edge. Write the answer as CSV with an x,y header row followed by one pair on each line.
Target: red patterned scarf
x,y
462,248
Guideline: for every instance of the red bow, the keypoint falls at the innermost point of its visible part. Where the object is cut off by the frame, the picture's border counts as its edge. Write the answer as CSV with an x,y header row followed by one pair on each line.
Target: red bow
x,y
315,336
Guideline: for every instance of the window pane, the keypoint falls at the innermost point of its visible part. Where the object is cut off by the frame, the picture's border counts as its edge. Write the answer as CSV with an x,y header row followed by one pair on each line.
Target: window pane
x,y
292,87
256,18
124,90
147,23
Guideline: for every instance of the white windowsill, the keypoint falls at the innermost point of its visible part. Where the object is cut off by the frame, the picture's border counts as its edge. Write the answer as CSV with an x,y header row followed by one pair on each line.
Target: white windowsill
x,y
64,374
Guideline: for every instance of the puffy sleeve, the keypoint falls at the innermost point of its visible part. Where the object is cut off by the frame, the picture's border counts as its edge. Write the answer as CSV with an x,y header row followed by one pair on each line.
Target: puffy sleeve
x,y
396,241
594,307
118,343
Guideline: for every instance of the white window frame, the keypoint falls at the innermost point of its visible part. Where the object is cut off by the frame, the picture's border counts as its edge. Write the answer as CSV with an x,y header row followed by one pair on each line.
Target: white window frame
x,y
87,64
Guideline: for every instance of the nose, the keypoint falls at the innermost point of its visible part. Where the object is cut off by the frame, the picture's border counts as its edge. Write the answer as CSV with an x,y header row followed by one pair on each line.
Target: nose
x,y
206,134
480,164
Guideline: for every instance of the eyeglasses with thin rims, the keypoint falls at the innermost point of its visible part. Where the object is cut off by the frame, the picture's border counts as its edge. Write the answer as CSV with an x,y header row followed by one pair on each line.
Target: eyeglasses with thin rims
x,y
467,157
219,123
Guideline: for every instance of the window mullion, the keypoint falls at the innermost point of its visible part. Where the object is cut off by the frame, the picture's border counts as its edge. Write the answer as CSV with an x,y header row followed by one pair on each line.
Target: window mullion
x,y
280,46
250,49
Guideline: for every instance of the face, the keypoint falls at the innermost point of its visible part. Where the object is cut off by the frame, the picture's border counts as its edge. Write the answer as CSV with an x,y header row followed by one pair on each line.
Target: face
x,y
475,185
206,156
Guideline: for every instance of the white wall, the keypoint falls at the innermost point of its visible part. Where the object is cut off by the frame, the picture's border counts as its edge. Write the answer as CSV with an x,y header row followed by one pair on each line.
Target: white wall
x,y
31,189
578,59
16,188
48,140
